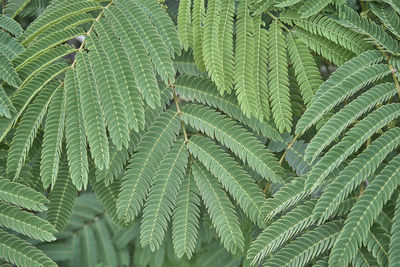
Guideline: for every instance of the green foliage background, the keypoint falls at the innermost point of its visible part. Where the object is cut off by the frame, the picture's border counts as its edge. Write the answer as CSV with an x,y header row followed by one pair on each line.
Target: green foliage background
x,y
199,133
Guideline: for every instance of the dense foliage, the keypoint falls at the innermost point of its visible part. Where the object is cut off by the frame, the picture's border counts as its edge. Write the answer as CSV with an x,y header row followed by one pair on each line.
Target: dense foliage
x,y
199,133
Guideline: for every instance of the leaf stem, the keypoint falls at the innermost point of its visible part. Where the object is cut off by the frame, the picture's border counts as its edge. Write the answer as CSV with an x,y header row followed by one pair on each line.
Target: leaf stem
x,y
179,112
288,147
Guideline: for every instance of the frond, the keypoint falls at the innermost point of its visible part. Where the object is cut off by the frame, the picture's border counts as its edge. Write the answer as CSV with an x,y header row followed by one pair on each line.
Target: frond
x,y
364,212
236,138
10,46
8,72
163,24
355,74
221,210
137,55
53,137
260,67
108,197
244,62
312,7
287,196
10,25
123,73
185,220
235,180
375,34
27,130
197,89
358,170
198,14
346,116
363,258
25,223
353,140
162,196
6,108
151,38
262,6
329,50
107,253
295,158
75,133
226,29
280,231
377,243
211,45
56,13
184,23
394,255
142,166
278,78
20,252
287,3
62,198
306,247
327,27
14,7
388,17
93,116
22,195
112,104
307,74
185,64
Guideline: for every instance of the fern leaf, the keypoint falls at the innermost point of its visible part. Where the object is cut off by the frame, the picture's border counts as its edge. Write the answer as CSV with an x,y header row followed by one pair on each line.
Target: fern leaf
x,y
307,74
377,243
27,130
62,198
55,15
347,115
14,7
364,212
351,143
329,50
202,90
53,136
111,100
162,195
287,196
278,79
8,72
186,64
244,62
328,27
20,252
306,247
260,67
137,54
394,255
148,33
312,7
226,42
25,223
395,4
108,197
88,248
375,34
358,170
124,74
280,231
388,17
10,46
142,166
221,210
75,134
6,108
235,180
93,118
262,6
198,14
21,195
107,252
163,24
295,158
364,258
350,75
287,3
185,219
11,26
241,142
184,21
211,45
